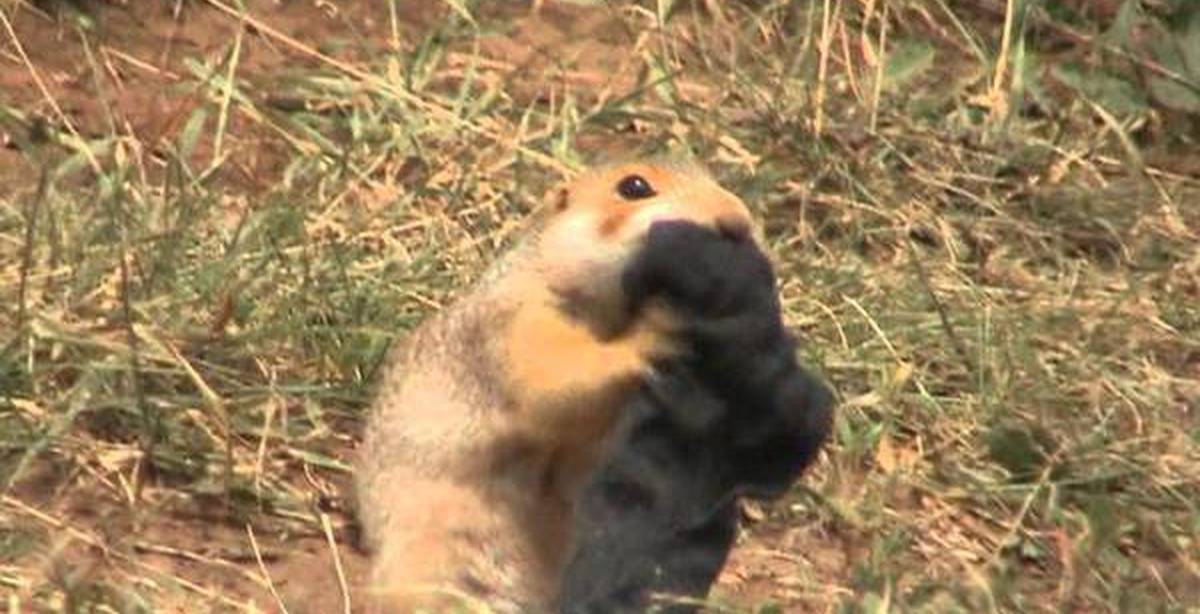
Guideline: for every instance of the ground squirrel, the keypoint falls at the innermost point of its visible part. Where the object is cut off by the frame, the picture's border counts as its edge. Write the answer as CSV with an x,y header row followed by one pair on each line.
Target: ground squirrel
x,y
493,414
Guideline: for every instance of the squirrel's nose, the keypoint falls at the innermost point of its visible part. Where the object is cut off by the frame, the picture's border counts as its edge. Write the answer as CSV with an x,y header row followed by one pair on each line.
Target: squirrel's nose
x,y
734,227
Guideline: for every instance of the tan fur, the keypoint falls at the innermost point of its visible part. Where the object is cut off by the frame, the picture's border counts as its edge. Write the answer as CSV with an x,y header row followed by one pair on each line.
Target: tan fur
x,y
492,414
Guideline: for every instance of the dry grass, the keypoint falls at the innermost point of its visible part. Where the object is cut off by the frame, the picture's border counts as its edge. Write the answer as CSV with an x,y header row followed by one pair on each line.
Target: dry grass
x,y
986,217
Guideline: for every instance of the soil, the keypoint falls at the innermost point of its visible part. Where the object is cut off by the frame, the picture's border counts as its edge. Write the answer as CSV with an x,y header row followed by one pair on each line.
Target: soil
x,y
134,77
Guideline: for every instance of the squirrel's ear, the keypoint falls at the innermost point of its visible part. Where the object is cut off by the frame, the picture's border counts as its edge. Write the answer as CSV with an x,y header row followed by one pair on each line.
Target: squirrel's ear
x,y
560,198
554,201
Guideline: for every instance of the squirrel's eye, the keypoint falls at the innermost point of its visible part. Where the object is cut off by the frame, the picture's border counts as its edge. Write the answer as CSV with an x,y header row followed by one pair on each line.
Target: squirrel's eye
x,y
635,187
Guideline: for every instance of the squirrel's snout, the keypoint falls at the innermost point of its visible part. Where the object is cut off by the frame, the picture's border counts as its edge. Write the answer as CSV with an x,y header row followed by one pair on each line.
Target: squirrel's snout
x,y
734,227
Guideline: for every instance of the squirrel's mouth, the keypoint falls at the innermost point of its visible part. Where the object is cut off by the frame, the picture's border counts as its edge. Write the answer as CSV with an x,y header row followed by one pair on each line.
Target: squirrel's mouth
x,y
731,225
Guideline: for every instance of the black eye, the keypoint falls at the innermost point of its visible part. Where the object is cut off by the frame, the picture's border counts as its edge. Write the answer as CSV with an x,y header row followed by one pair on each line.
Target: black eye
x,y
635,187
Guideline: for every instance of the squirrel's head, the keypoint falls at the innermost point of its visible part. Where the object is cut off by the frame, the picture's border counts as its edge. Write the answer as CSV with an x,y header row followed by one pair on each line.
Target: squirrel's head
x,y
597,222
613,207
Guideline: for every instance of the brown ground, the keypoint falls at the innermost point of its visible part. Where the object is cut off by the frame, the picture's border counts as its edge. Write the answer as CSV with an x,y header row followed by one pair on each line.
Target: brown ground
x,y
145,90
